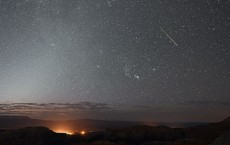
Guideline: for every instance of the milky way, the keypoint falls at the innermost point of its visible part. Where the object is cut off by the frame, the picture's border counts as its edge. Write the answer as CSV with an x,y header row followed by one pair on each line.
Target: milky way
x,y
113,52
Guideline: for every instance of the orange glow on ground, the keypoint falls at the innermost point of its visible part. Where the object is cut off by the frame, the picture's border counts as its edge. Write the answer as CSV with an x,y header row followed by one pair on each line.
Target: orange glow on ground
x,y
64,131
82,132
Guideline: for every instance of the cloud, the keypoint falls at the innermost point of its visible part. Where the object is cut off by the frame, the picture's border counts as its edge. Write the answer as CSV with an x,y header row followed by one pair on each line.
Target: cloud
x,y
35,108
207,103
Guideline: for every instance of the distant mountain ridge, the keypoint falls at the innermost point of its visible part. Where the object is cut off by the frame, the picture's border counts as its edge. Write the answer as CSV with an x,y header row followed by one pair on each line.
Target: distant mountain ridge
x,y
14,122
209,134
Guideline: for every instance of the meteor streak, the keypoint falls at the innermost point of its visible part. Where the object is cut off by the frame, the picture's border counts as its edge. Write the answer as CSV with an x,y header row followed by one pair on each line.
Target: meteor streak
x,y
168,36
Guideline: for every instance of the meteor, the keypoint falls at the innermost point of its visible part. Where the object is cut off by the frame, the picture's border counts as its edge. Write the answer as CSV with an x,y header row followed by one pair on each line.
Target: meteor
x,y
168,36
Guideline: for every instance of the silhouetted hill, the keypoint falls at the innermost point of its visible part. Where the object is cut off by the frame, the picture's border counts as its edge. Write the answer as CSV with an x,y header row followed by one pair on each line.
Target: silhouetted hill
x,y
222,140
140,134
210,134
32,136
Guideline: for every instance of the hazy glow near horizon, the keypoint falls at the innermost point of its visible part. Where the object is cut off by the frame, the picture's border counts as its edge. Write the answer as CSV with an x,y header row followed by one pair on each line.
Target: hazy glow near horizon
x,y
66,131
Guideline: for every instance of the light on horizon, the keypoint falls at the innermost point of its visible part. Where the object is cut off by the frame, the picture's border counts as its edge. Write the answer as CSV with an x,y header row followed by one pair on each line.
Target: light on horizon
x,y
64,131
82,132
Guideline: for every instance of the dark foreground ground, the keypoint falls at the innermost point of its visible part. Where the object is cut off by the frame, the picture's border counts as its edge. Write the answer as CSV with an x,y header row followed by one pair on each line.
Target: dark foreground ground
x,y
210,134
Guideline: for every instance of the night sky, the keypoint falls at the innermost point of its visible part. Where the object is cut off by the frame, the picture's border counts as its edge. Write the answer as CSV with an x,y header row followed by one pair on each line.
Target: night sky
x,y
142,60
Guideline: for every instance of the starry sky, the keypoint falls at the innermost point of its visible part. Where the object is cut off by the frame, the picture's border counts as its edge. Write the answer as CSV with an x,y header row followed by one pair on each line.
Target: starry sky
x,y
142,60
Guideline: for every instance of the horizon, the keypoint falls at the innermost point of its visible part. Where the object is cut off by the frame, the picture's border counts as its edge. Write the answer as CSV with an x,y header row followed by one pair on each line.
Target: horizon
x,y
151,122
77,127
85,126
63,134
